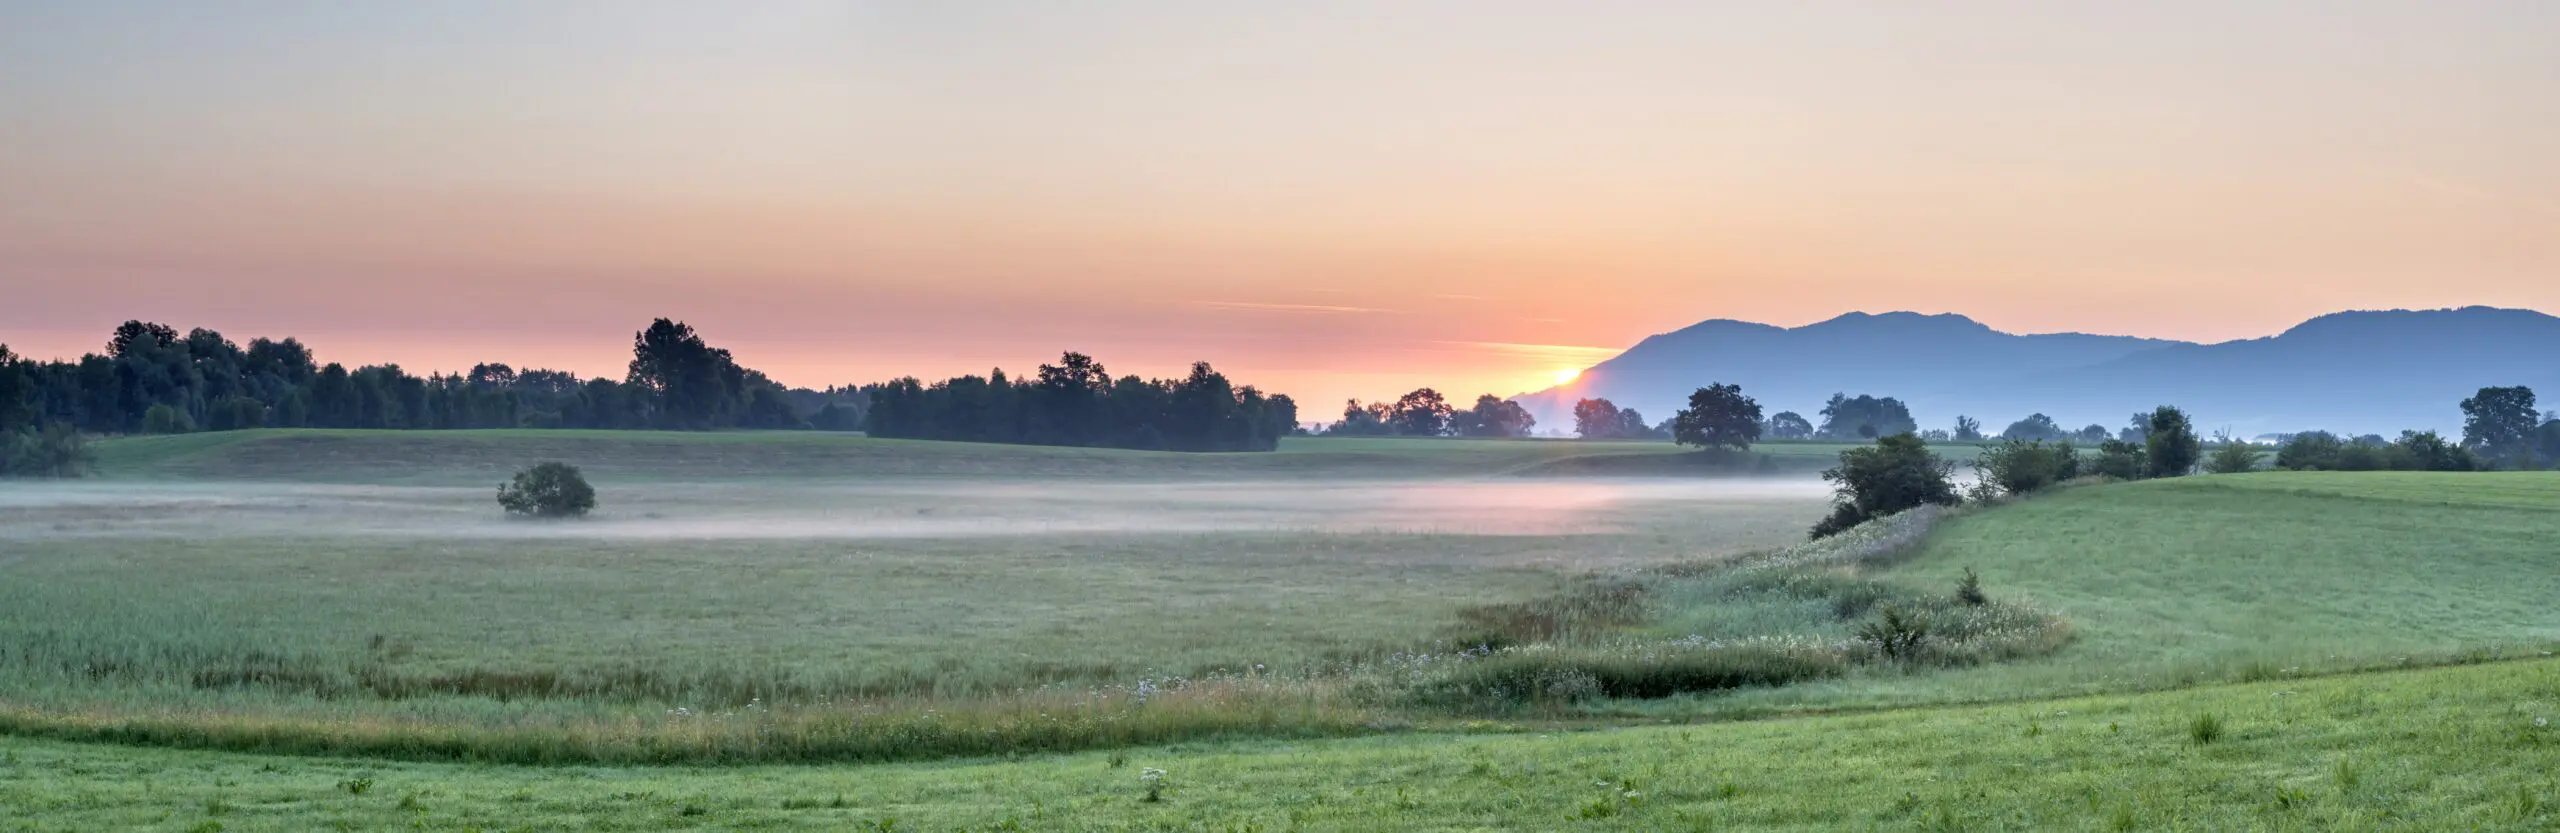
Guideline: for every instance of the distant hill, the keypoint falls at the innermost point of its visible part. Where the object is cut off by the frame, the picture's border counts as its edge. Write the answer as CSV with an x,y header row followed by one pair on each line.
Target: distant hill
x,y
2358,372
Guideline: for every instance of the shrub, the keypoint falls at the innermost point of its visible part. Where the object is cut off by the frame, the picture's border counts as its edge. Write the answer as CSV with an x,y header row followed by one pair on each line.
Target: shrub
x,y
2119,460
162,419
1969,589
548,490
2309,451
1895,634
2017,467
53,451
1898,473
2234,457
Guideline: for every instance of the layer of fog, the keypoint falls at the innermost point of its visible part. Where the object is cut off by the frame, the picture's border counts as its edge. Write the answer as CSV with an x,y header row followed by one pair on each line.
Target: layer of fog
x,y
892,509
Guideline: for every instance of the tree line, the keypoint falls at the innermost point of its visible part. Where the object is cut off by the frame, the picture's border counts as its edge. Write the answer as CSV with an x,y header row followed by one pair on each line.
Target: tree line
x,y
1426,413
1076,402
152,379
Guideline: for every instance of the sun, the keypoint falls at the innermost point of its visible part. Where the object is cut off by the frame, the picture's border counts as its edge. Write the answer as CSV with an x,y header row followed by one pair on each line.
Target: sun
x,y
1567,375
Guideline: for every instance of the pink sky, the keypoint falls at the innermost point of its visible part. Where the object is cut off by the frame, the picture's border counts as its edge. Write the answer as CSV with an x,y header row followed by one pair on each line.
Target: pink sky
x,y
1339,201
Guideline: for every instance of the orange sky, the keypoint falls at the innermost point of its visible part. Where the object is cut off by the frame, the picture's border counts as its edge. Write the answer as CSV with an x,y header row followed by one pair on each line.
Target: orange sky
x,y
1336,201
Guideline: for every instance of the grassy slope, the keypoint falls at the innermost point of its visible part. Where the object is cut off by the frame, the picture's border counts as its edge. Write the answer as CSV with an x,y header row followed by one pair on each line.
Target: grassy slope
x,y
2452,748
2276,570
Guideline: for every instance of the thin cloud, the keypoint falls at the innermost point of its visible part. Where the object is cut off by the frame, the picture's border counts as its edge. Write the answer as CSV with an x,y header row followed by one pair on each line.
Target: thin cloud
x,y
1309,308
2446,186
1575,354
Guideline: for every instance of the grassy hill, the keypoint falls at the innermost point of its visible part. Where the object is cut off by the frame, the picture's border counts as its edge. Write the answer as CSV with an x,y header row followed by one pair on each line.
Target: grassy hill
x,y
2439,749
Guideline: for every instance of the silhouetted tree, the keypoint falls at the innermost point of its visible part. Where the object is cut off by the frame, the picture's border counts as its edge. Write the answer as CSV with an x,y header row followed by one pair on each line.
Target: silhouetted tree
x,y
1422,413
2034,427
2498,425
1493,417
2171,449
1866,417
1967,429
1718,416
1597,419
1789,425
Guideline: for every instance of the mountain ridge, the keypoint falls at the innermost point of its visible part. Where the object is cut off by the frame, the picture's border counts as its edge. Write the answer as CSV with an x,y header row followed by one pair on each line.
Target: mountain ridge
x,y
2359,371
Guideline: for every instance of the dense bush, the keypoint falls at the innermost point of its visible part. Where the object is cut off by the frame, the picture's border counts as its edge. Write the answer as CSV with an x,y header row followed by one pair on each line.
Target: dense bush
x,y
548,490
2017,468
2234,456
2414,451
2120,460
1897,473
53,451
2171,449
162,419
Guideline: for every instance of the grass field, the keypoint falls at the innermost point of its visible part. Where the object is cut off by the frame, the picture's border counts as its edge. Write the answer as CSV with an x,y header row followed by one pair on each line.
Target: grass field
x,y
770,597
2467,748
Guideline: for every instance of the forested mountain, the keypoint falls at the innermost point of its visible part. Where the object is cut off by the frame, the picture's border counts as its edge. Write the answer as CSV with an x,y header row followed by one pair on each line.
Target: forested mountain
x,y
2358,372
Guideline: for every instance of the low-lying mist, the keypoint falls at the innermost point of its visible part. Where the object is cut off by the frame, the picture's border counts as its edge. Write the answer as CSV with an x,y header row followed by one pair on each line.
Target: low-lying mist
x,y
904,509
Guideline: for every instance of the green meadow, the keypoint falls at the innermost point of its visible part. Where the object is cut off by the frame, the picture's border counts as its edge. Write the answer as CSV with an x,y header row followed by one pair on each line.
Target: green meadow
x,y
300,629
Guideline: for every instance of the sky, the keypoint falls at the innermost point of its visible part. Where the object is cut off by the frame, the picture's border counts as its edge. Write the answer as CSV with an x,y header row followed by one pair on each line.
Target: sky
x,y
1331,200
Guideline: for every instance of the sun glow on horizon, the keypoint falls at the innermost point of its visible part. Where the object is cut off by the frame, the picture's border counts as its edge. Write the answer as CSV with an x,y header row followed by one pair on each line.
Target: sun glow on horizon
x,y
1567,375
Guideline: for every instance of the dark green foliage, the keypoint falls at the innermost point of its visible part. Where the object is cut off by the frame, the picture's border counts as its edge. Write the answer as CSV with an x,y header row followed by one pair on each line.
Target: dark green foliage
x,y
548,490
1898,636
1969,590
1718,416
2034,428
1897,473
2171,448
2019,468
203,379
238,413
2119,460
1493,416
162,419
2498,425
2428,451
2234,456
1866,417
2310,451
1789,425
2414,451
55,450
1597,419
1075,403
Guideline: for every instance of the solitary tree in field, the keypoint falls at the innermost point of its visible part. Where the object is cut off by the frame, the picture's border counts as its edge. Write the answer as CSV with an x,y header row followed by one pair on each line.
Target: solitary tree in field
x,y
1968,429
1596,419
1718,416
548,490
2498,425
2171,448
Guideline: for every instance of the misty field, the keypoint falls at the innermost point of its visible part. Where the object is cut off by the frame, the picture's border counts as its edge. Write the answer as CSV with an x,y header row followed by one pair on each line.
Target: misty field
x,y
365,579
767,599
